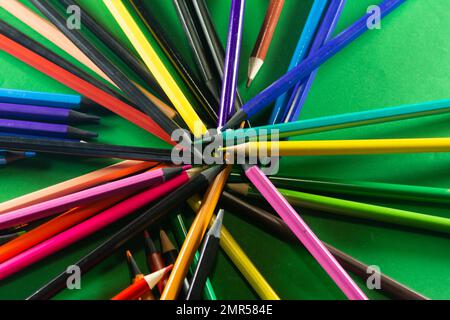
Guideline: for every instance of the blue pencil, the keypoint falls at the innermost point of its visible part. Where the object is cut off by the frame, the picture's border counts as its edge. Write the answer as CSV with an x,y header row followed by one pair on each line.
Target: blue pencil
x,y
305,68
302,49
324,34
67,101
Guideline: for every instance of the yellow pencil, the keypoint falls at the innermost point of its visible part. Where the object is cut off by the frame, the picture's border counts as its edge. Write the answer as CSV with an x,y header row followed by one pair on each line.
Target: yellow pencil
x,y
240,259
156,66
340,147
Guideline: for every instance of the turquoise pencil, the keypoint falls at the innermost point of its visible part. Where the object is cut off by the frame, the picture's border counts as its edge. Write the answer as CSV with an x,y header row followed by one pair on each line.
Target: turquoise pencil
x,y
341,121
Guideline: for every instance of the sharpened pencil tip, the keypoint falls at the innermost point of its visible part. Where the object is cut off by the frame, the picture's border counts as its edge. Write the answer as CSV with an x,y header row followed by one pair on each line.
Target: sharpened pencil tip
x,y
249,82
217,225
166,244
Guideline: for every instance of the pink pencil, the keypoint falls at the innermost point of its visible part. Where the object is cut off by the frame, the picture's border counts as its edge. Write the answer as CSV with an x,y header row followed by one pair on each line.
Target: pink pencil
x,y
57,205
88,227
304,234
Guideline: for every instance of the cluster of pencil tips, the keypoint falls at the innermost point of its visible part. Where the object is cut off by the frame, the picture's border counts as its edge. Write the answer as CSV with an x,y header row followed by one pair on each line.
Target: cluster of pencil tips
x,y
149,188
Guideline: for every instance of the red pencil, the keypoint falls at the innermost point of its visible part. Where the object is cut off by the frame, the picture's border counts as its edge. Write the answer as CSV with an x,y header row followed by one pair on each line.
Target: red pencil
x,y
84,88
142,286
264,39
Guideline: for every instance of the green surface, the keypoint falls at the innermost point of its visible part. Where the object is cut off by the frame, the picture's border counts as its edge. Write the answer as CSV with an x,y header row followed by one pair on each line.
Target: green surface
x,y
406,61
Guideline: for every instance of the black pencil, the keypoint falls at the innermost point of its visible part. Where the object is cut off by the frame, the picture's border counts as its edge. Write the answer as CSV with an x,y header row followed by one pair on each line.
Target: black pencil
x,y
76,148
170,254
208,31
278,228
153,215
197,47
116,47
207,259
208,102
116,75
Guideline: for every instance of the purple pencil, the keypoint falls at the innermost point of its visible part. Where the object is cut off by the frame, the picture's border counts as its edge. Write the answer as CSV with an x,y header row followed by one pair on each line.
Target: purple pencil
x,y
44,129
231,68
324,33
44,114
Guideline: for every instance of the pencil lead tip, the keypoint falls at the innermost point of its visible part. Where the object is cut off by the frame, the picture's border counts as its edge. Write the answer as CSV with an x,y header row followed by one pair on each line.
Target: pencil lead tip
x,y
150,247
254,66
249,82
166,244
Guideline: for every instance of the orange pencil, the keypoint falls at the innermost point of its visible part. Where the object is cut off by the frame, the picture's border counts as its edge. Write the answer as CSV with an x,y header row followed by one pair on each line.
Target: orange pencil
x,y
142,286
53,227
264,39
195,236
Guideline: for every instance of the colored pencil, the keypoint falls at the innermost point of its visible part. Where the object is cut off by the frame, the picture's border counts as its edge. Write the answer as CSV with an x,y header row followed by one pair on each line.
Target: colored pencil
x,y
142,286
55,226
170,254
360,210
115,46
48,99
216,50
156,66
85,88
91,179
197,48
45,114
155,260
194,237
117,76
240,259
301,50
342,121
304,234
305,68
136,275
44,129
46,29
50,207
324,34
75,148
203,95
179,227
232,57
344,147
264,40
154,214
278,228
88,227
370,189
207,259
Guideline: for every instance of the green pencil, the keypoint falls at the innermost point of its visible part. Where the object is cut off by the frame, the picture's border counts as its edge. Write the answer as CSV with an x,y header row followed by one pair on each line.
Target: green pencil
x,y
180,231
355,209
360,188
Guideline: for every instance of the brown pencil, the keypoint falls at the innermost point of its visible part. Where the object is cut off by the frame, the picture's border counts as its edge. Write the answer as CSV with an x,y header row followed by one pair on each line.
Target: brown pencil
x,y
155,260
264,39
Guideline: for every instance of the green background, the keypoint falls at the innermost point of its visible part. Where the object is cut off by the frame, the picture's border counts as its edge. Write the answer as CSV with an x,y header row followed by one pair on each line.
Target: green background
x,y
407,61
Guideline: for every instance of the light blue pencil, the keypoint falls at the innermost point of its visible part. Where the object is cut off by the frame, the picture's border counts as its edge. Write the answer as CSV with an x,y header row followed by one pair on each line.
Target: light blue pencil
x,y
323,34
66,101
301,51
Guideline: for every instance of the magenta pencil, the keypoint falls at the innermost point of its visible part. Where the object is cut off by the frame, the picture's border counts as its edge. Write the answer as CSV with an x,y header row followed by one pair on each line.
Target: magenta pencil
x,y
304,234
50,207
88,227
